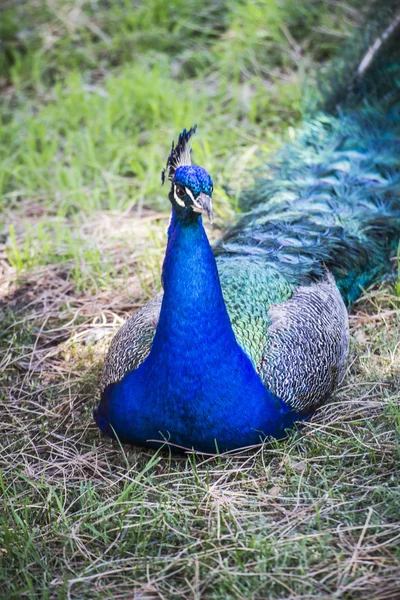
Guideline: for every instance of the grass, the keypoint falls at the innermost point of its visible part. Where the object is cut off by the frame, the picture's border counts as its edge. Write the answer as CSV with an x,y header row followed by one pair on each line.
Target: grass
x,y
83,518
92,93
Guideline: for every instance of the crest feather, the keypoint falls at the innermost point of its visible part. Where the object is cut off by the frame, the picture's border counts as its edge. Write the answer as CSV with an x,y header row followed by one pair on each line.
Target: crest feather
x,y
180,154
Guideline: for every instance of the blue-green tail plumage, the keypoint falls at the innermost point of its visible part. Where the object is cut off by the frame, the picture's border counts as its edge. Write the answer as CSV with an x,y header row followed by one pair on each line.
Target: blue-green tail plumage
x,y
252,336
334,202
333,197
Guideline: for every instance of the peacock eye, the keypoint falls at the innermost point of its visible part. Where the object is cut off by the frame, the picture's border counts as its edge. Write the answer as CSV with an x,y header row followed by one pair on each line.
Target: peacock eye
x,y
180,191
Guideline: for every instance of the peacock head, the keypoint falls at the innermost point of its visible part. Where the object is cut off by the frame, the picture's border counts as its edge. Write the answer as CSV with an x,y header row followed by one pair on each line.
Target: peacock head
x,y
191,185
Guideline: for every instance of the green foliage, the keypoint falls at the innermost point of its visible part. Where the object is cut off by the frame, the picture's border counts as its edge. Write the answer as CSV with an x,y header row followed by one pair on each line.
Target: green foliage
x,y
96,92
45,40
52,242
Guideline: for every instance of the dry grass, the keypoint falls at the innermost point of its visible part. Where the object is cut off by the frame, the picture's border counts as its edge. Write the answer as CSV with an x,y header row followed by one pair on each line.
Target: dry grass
x,y
316,516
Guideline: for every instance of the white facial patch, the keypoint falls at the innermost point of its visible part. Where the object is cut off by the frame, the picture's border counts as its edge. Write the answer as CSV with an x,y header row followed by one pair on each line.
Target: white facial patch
x,y
189,193
178,200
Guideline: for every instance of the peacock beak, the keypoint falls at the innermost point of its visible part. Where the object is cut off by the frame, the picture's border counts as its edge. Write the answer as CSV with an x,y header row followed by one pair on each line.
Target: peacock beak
x,y
203,204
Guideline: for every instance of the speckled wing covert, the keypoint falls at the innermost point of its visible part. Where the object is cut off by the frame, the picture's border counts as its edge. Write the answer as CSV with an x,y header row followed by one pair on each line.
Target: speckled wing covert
x,y
132,343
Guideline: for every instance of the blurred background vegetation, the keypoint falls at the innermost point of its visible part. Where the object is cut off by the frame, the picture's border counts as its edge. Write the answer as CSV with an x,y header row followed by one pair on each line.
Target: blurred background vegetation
x,y
92,93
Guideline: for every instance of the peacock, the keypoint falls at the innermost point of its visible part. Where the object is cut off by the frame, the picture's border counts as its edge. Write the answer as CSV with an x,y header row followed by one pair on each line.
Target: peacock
x,y
251,336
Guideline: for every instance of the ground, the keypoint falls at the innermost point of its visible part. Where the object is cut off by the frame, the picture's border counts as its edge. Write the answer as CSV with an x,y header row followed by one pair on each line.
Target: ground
x,y
92,94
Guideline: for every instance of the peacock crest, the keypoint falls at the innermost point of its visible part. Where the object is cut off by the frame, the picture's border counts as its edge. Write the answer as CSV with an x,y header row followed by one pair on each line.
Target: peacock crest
x,y
180,154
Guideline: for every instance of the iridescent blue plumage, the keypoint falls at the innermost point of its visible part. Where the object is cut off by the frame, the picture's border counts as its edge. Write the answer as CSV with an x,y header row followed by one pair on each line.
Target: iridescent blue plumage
x,y
250,337
195,178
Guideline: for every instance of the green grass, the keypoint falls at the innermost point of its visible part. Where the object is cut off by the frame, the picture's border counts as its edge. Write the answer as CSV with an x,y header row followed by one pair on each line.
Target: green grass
x,y
92,94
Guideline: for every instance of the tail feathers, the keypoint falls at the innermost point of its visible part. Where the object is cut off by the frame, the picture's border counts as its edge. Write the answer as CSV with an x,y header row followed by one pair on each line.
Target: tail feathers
x,y
334,202
333,197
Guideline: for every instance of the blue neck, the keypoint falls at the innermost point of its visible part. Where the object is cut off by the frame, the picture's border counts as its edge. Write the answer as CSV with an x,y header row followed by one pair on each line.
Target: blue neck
x,y
197,387
193,300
